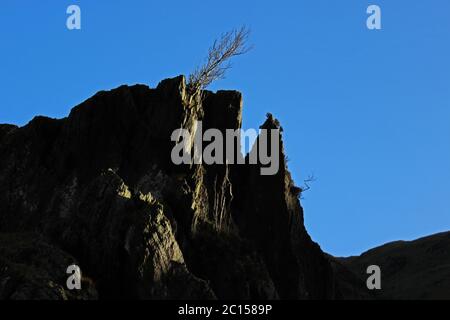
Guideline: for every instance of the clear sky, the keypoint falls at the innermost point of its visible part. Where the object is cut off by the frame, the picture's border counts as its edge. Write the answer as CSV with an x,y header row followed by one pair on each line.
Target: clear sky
x,y
367,112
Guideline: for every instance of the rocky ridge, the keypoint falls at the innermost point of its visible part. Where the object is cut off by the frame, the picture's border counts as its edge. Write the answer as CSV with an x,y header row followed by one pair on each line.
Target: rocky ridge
x,y
98,188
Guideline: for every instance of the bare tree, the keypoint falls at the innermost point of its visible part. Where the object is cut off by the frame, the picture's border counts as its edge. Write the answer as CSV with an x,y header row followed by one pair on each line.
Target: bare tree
x,y
298,191
307,182
230,44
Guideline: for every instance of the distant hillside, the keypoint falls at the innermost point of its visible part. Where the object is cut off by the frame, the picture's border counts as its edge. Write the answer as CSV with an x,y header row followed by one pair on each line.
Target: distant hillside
x,y
417,269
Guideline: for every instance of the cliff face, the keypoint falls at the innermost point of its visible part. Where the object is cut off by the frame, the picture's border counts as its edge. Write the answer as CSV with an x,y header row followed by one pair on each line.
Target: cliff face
x,y
99,189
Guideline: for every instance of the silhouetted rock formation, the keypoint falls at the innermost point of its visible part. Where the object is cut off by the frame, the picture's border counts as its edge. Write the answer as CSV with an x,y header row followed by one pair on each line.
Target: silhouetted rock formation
x,y
99,189
100,185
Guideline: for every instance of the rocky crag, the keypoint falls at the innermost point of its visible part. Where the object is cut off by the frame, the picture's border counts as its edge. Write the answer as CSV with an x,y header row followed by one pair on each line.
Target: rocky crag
x,y
98,189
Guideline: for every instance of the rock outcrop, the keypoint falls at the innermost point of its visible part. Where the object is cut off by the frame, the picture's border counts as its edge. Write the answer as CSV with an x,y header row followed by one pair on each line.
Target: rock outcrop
x,y
99,188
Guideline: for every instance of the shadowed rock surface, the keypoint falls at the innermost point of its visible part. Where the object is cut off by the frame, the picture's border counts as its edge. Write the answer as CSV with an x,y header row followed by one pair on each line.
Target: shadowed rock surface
x,y
100,186
99,189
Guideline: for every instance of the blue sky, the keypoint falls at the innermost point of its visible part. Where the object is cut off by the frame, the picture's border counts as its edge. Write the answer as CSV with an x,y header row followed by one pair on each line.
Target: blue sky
x,y
367,112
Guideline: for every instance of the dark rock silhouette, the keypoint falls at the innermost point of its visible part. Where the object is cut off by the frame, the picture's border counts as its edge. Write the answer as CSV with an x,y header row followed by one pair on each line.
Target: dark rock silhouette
x,y
99,189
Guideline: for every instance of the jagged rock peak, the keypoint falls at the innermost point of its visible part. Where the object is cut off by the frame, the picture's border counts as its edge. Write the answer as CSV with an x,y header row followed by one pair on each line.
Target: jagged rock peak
x,y
100,186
